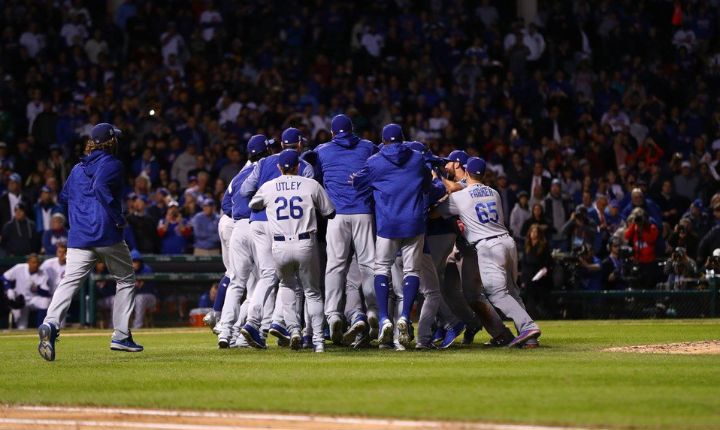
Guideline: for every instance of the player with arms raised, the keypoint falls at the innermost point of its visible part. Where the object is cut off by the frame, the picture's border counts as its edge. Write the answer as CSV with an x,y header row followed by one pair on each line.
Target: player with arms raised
x,y
480,210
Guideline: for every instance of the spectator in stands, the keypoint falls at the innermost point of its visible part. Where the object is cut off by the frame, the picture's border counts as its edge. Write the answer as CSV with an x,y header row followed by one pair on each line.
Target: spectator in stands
x,y
558,209
698,217
27,280
144,227
12,198
145,291
205,230
537,263
684,236
642,235
589,275
174,232
537,216
57,233
519,214
54,268
638,200
681,270
686,182
44,209
207,299
19,236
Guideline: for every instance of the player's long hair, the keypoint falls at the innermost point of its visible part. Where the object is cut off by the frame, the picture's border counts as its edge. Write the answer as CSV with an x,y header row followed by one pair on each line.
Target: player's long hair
x,y
107,146
541,244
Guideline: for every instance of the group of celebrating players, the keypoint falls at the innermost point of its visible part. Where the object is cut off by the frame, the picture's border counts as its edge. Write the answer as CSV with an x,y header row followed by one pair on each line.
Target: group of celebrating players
x,y
397,218
402,225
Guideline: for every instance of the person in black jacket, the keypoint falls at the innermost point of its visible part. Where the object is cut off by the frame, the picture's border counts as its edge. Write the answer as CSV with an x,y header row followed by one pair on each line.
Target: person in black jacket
x,y
18,235
144,227
537,259
12,197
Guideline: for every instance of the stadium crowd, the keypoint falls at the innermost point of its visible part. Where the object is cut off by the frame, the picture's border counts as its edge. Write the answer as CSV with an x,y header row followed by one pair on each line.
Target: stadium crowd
x,y
589,112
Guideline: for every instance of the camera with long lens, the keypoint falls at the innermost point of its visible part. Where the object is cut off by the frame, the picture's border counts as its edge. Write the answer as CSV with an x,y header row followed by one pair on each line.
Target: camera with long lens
x,y
567,267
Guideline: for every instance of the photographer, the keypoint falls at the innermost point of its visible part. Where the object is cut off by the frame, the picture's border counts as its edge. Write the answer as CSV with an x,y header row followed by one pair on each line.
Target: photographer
x,y
680,269
684,236
589,276
642,235
612,266
712,264
579,230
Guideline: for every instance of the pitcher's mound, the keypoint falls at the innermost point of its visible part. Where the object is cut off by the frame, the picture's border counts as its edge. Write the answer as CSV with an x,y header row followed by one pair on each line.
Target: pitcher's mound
x,y
702,347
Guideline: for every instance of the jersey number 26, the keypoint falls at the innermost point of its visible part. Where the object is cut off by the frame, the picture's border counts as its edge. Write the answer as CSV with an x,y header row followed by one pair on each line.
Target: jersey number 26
x,y
295,212
487,212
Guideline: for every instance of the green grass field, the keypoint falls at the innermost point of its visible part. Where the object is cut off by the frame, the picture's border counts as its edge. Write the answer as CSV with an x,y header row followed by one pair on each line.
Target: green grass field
x,y
568,381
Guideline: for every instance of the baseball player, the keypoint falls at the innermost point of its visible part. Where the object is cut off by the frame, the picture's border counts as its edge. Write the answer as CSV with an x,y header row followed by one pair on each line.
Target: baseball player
x,y
54,268
92,198
291,201
241,255
479,209
351,229
28,285
399,180
266,170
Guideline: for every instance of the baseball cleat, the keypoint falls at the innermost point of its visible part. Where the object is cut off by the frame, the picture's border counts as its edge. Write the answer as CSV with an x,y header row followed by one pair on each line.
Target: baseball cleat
x,y
524,337
398,346
531,344
439,335
336,334
374,326
349,336
126,345
425,346
386,332
319,347
295,341
307,342
48,335
451,335
253,337
500,340
223,342
241,343
281,333
361,341
403,331
469,336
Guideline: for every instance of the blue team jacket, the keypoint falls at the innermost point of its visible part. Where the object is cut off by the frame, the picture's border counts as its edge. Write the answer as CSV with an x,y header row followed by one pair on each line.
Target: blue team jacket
x,y
336,161
399,181
92,200
266,170
239,203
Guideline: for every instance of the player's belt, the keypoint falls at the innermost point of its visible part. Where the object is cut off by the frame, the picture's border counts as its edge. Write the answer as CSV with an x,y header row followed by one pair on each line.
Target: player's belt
x,y
281,238
491,237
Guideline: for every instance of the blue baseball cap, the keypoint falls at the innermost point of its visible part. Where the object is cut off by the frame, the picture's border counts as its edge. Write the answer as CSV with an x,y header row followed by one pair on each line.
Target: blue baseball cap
x,y
476,166
45,189
135,255
208,202
288,158
292,136
459,156
15,177
341,125
103,132
257,144
392,133
417,146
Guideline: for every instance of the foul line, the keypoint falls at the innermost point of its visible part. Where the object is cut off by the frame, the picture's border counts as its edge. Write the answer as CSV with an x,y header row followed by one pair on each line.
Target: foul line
x,y
261,417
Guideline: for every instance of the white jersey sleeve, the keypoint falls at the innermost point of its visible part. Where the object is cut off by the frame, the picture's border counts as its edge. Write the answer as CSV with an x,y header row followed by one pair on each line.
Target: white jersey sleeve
x,y
480,209
290,203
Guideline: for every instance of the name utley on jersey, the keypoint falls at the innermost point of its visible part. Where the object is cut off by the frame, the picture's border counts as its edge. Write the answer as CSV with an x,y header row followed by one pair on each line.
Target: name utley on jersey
x,y
479,209
290,203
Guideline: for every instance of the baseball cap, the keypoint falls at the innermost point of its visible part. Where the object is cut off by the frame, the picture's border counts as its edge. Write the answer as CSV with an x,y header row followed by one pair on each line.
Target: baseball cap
x,y
292,136
257,144
15,177
614,203
173,203
476,166
289,158
3,145
417,146
135,255
716,252
341,125
208,202
459,156
556,181
685,164
392,133
103,132
522,193
21,205
698,203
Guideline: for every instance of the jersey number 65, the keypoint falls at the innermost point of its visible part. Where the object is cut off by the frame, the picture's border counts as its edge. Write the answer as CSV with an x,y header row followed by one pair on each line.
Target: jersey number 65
x,y
487,212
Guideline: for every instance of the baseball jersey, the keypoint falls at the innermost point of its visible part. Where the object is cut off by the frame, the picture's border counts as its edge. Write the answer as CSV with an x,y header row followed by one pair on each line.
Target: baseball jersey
x,y
54,272
24,281
290,203
479,208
